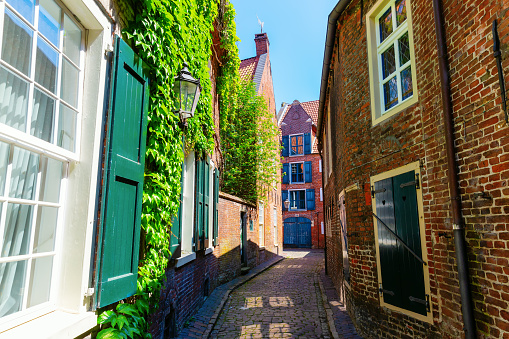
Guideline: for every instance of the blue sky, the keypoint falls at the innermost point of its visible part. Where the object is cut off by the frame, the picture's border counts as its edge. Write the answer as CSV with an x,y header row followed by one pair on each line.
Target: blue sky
x,y
296,31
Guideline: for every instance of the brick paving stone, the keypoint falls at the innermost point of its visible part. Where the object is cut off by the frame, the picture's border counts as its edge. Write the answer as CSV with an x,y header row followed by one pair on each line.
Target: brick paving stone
x,y
283,302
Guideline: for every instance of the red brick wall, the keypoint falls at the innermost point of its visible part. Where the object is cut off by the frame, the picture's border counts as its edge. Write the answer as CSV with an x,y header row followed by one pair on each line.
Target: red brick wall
x,y
416,134
317,238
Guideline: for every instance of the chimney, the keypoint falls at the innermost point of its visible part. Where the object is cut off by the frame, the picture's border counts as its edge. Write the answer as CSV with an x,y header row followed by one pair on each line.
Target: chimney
x,y
262,44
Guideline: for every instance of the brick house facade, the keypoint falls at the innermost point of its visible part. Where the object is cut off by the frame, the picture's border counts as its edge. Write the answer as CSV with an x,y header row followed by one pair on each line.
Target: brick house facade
x,y
387,145
301,173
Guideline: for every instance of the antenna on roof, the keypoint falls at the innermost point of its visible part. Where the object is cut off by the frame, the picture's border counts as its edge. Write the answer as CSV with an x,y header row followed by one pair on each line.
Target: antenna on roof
x,y
260,23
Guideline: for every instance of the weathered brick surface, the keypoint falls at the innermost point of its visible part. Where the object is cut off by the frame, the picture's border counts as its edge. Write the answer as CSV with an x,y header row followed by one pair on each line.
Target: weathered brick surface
x,y
417,134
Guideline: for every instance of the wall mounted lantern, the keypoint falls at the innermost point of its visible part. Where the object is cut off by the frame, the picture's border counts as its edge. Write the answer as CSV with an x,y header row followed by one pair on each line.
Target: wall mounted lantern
x,y
287,203
188,90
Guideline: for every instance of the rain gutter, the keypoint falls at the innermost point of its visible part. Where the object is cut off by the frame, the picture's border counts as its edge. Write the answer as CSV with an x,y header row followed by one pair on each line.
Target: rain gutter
x,y
327,55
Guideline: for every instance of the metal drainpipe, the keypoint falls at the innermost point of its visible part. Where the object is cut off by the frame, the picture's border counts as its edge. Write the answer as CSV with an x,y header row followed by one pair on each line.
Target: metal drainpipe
x,y
458,226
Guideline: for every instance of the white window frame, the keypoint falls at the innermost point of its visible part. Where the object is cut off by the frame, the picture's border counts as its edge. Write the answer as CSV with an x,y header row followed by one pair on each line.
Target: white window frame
x,y
375,48
289,198
187,208
290,144
274,221
321,194
68,315
320,165
210,249
303,173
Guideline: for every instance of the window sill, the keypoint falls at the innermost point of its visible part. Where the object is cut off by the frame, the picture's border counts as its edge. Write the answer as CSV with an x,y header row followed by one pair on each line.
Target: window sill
x,y
185,259
57,324
261,248
209,250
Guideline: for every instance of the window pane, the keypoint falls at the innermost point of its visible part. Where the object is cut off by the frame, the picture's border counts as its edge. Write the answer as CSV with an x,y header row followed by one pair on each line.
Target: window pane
x,y
391,93
385,23
42,116
46,65
4,161
18,226
17,43
13,100
12,286
388,62
67,128
72,40
400,11
406,83
25,166
24,7
51,176
404,49
70,77
49,20
45,227
40,281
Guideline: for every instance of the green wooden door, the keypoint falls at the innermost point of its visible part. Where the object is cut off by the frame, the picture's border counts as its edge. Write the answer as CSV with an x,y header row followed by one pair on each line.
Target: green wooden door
x,y
402,273
123,184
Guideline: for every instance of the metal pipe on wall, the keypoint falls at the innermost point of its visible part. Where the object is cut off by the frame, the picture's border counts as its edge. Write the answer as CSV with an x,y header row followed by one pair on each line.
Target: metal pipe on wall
x,y
458,226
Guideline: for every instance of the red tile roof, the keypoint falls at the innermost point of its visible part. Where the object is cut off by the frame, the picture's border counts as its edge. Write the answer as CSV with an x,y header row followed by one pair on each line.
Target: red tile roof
x,y
247,68
311,108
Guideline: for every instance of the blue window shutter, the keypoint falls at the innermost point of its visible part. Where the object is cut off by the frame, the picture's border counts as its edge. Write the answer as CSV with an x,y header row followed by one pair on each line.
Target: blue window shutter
x,y
310,199
308,171
286,145
307,143
119,234
284,196
286,173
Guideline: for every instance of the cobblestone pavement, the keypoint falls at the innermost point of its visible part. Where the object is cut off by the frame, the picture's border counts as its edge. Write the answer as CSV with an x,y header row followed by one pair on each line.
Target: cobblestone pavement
x,y
283,302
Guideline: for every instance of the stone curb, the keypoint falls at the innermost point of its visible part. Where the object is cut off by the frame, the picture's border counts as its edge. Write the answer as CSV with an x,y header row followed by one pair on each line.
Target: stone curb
x,y
219,309
328,310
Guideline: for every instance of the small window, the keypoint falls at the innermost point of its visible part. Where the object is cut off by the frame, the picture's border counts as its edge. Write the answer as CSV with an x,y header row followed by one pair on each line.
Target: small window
x,y
297,144
261,232
392,60
274,221
298,200
297,170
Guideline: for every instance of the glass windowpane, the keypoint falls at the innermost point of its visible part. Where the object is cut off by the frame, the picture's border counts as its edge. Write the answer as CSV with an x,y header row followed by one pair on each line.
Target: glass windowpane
x,y
404,49
391,93
49,20
4,161
17,43
18,226
43,116
24,7
46,65
12,286
388,62
385,23
25,166
13,100
72,40
69,89
45,228
400,11
406,83
67,128
40,281
51,177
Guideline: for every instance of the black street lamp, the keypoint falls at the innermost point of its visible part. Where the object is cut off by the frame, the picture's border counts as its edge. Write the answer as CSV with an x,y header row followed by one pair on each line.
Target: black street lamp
x,y
188,90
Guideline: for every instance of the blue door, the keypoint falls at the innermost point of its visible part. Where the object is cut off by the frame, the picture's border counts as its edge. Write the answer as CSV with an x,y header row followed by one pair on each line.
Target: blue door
x,y
297,232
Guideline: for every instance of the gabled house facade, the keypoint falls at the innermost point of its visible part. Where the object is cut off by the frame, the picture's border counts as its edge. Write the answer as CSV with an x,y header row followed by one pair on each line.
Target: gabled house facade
x,y
258,69
413,134
303,223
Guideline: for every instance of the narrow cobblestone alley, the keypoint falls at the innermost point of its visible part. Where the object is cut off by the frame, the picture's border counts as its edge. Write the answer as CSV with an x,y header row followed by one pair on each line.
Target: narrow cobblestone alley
x,y
283,302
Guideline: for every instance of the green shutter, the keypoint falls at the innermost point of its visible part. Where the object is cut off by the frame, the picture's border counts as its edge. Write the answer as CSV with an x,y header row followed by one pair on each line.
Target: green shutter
x,y
119,237
206,201
198,224
402,274
216,203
